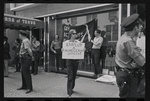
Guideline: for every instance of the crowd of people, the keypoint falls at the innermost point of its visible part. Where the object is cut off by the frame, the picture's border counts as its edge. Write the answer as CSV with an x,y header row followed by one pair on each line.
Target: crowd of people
x,y
129,57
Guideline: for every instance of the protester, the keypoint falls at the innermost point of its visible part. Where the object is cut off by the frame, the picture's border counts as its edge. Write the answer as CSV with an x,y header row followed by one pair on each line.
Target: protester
x,y
72,65
26,56
97,42
56,48
35,48
6,56
141,43
16,48
103,50
128,58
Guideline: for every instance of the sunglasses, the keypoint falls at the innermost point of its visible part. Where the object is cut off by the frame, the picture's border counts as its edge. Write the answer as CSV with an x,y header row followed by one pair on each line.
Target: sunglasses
x,y
74,33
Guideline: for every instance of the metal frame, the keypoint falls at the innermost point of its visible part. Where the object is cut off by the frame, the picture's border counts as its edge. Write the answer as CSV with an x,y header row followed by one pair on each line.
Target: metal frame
x,y
128,9
48,68
44,43
119,22
68,11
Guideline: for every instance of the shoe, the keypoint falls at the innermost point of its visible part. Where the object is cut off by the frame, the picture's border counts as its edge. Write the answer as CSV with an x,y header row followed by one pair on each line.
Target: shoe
x,y
21,88
95,76
28,91
34,73
69,96
99,75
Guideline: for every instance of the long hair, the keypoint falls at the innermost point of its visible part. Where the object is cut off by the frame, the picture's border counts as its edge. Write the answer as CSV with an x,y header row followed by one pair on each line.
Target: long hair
x,y
5,38
103,33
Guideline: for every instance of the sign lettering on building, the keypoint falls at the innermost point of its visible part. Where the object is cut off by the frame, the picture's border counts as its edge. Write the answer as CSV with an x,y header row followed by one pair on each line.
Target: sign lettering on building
x,y
18,20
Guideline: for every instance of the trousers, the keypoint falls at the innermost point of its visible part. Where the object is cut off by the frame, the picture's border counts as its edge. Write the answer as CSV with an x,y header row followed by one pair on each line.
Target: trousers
x,y
72,66
96,61
127,83
25,73
58,58
35,62
17,63
6,68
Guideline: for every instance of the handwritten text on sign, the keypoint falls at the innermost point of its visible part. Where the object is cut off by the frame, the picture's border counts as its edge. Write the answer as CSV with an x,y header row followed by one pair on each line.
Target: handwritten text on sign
x,y
73,50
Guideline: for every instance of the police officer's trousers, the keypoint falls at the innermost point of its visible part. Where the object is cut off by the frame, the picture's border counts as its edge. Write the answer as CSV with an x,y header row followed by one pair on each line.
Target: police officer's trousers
x,y
25,73
72,66
127,83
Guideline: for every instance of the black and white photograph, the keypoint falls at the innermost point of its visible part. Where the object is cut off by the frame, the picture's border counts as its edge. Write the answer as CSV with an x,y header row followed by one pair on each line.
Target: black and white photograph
x,y
74,50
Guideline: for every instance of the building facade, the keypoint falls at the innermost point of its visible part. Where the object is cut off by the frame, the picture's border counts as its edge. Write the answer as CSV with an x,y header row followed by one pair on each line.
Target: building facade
x,y
109,18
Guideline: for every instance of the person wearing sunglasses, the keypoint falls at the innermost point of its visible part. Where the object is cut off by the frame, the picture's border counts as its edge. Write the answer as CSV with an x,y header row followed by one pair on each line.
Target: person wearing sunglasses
x,y
72,65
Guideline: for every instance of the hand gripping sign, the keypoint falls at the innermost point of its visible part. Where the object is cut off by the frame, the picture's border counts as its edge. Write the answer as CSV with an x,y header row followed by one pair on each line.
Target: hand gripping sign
x,y
73,50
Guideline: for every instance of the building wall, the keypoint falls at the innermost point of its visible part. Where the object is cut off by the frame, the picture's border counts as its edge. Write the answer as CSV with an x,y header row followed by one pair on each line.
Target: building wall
x,y
50,8
12,34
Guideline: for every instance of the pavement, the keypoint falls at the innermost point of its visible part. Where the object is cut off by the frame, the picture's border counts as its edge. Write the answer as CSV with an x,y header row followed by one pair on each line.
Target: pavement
x,y
54,85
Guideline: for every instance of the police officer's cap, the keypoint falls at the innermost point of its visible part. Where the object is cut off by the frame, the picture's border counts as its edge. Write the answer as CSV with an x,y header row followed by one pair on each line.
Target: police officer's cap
x,y
24,33
130,21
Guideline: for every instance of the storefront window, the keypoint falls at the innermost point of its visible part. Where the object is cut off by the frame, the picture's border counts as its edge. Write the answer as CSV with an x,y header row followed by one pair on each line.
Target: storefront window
x,y
109,22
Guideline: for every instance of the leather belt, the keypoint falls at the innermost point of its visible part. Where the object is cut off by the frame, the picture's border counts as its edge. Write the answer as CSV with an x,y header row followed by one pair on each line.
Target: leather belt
x,y
136,70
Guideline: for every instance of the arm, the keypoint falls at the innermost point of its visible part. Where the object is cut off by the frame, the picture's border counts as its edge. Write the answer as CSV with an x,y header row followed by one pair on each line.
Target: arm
x,y
134,53
99,42
51,47
28,48
88,33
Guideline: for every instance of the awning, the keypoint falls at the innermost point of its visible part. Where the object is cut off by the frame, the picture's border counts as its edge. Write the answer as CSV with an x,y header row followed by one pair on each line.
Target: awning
x,y
17,22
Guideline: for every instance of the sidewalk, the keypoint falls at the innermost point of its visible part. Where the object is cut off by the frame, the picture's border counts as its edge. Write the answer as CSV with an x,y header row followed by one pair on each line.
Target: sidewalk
x,y
55,85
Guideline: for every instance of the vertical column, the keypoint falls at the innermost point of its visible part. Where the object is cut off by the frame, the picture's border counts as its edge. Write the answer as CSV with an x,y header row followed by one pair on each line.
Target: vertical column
x,y
44,43
128,10
30,37
55,26
119,22
48,44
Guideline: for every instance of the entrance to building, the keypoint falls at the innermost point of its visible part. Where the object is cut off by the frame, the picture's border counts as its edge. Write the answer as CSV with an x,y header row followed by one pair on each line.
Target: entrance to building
x,y
38,33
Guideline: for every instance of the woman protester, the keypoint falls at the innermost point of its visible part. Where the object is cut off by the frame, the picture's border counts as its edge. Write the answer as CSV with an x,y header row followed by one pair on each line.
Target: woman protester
x,y
72,65
103,49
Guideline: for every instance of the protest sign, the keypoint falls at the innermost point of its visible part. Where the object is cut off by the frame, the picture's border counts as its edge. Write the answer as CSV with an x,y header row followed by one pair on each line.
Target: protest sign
x,y
73,50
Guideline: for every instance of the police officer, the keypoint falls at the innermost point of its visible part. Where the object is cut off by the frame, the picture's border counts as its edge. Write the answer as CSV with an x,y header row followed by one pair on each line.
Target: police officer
x,y
128,58
26,58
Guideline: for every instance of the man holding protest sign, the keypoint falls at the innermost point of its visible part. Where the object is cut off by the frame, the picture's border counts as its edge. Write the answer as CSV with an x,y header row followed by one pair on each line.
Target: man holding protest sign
x,y
72,50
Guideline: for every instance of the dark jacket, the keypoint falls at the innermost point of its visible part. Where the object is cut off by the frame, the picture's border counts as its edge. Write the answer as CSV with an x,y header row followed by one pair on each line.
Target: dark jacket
x,y
6,51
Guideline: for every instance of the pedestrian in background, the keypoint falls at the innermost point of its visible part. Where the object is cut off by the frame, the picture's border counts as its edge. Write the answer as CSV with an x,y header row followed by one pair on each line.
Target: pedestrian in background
x,y
35,49
128,58
97,42
103,50
72,65
6,56
26,56
56,48
16,48
141,43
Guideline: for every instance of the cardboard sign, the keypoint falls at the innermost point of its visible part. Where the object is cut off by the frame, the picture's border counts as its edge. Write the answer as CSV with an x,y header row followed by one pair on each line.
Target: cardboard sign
x,y
73,50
